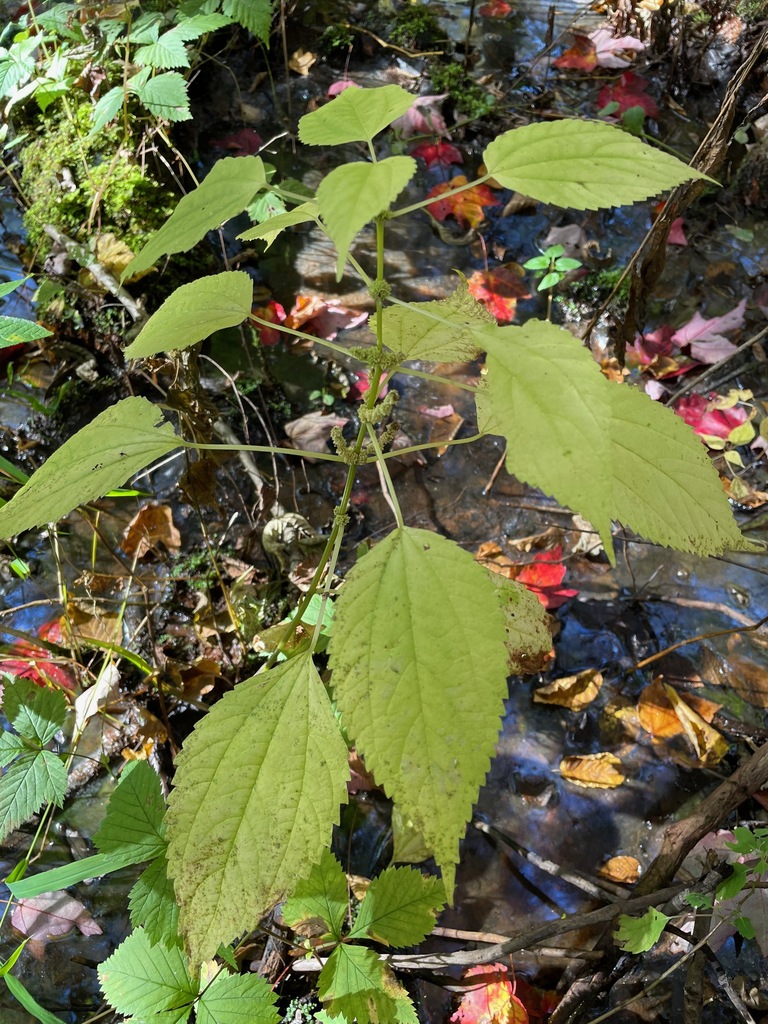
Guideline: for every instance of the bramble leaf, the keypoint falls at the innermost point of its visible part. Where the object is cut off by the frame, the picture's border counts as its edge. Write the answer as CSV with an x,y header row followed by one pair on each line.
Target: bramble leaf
x,y
399,908
616,455
31,781
103,455
357,985
583,165
353,194
193,312
16,331
134,817
437,677
165,96
255,15
237,999
148,982
226,191
153,904
168,51
323,894
436,331
232,859
356,115
35,712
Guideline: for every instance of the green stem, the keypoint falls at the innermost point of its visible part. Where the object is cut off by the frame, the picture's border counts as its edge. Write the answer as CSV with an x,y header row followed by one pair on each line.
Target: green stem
x,y
443,195
387,478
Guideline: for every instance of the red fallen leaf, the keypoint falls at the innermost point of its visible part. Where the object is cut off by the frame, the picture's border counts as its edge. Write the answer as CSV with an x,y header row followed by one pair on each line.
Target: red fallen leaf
x,y
338,87
699,413
676,234
246,142
628,92
442,154
613,51
495,9
28,661
322,319
493,1001
423,118
273,312
467,207
359,385
498,290
544,576
706,337
582,56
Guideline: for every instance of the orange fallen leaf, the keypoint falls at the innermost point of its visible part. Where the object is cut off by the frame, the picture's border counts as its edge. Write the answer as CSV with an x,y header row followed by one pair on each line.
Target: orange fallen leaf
x,y
498,290
657,715
492,1000
582,56
467,207
573,692
593,771
151,526
709,745
623,869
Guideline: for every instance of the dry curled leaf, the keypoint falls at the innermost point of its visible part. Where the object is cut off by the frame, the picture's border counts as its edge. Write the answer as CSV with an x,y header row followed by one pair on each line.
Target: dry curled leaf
x,y
593,771
312,431
623,869
301,61
709,745
151,526
573,692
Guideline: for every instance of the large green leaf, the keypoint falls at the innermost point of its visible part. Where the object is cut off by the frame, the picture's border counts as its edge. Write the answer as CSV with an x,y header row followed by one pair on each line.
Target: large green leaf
x,y
153,904
31,781
193,312
15,331
585,165
103,455
233,855
399,908
134,817
274,226
356,115
436,331
604,449
419,673
528,640
34,712
353,194
355,984
168,51
255,15
238,999
166,96
145,981
322,894
229,187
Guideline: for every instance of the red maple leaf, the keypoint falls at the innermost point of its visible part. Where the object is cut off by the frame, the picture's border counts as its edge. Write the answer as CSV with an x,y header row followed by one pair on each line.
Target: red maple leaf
x,y
544,576
699,412
492,1001
26,660
628,92
275,314
582,56
495,9
442,154
467,207
499,289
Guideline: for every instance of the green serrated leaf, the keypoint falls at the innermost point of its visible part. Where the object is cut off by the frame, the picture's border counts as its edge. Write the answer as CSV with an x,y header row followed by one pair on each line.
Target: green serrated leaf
x,y
232,859
699,901
28,1001
436,331
356,984
134,816
275,226
35,712
353,194
237,999
229,187
734,884
103,455
255,15
399,908
31,781
322,894
583,165
437,675
356,115
166,96
15,331
168,51
199,24
193,312
148,982
614,454
528,637
639,934
11,746
152,903
744,926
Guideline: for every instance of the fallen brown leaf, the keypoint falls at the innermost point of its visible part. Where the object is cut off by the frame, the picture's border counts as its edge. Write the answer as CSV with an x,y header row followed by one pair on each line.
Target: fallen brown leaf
x,y
593,771
623,869
709,745
151,526
573,692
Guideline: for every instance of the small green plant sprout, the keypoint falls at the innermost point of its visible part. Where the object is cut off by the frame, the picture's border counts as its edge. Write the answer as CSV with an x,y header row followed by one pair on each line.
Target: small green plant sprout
x,y
553,265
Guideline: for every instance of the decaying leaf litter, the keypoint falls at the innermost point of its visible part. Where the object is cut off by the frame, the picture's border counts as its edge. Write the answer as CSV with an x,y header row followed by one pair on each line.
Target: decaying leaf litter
x,y
614,623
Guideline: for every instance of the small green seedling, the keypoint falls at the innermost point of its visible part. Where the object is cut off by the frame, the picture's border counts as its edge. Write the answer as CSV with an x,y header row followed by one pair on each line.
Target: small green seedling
x,y
554,266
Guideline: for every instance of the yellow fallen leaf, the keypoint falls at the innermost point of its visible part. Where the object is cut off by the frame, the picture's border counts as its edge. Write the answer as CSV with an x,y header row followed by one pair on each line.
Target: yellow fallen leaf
x,y
301,61
709,745
623,869
573,692
593,771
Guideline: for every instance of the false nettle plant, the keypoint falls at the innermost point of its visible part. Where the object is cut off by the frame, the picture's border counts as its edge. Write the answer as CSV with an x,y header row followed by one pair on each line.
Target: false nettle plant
x,y
419,685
